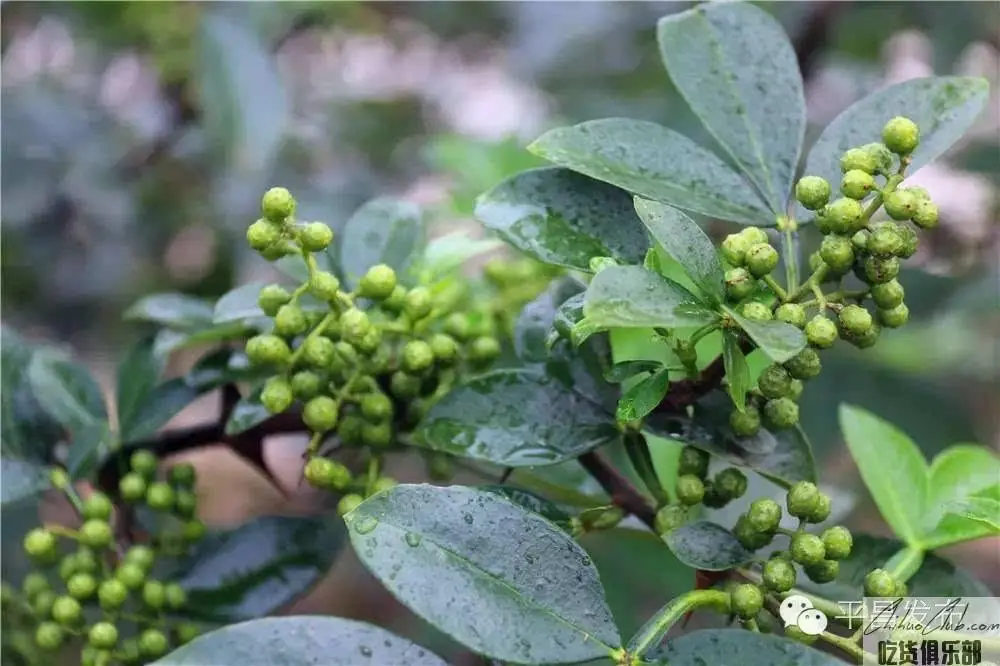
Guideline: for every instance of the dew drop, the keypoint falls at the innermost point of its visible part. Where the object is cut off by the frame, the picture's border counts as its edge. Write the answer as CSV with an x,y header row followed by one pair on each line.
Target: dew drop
x,y
365,651
366,525
412,539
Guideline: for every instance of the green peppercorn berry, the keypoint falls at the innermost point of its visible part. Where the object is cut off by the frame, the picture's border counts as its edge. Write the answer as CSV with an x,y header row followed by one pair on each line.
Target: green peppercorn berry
x,y
812,192
747,600
857,184
745,423
325,286
43,602
376,407
795,389
86,560
354,325
142,556
318,352
153,643
879,270
901,204
132,487
807,549
315,237
879,583
112,594
67,611
739,284
690,489
160,497
81,586
844,215
756,311
103,636
910,241
754,235
383,483
305,384
764,514
901,135
320,414
378,283
791,313
98,507
686,352
925,215
154,594
277,395
175,596
669,518
804,365
855,321
734,249
131,574
457,326
418,303
279,250
761,259
445,349
821,332
858,159
185,503
882,156
693,461
825,571
884,242
320,472
349,503
378,435
749,537
730,483
186,632
821,511
714,498
349,429
193,531
267,350
49,636
370,341
778,575
34,584
404,386
838,542
802,499
271,298
145,463
96,534
838,252
290,321
483,351
774,381
894,317
859,241
262,235
182,475
277,204
417,357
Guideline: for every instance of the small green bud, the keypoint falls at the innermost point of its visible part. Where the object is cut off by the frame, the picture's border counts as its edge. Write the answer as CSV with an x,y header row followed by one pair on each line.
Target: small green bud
x,y
690,489
686,352
825,571
276,395
378,283
376,407
747,600
320,414
754,235
277,204
132,487
483,351
267,350
315,237
318,352
160,497
845,216
901,204
879,270
761,259
404,386
804,365
730,483
884,242
97,507
262,235
103,636
838,542
349,503
382,484
855,320
745,423
756,311
153,643
888,295
378,435
858,159
860,240
325,286
67,611
417,357
926,215
669,518
774,381
802,499
779,575
81,586
739,284
131,575
145,463
749,537
418,303
879,583
901,135
894,317
734,249
182,475
112,594
693,461
838,252
96,534
812,192
764,515
445,349
290,321
821,332
882,156
910,241
807,549
49,636
781,413
306,384
857,184
791,313
457,326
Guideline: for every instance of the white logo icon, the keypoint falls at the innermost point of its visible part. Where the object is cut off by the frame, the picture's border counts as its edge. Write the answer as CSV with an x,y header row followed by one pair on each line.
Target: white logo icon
x,y
797,611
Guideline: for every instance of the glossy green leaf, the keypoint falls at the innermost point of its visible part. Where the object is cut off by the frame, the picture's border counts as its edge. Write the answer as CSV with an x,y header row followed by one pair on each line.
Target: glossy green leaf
x,y
300,639
383,231
706,546
626,370
27,431
944,108
169,340
258,567
956,475
982,510
515,418
89,446
247,413
738,377
734,65
656,163
239,304
445,254
65,390
685,241
632,297
532,502
643,397
892,468
726,647
564,218
538,318
542,603
21,479
780,341
223,366
138,373
568,315
173,310
163,403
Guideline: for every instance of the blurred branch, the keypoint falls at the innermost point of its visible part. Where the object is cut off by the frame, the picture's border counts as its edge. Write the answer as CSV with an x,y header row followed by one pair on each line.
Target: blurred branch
x,y
815,34
623,493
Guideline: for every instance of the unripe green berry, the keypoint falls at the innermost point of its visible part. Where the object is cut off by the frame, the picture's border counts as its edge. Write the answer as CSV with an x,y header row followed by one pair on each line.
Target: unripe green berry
x,y
378,435
802,499
142,556
98,506
888,295
894,317
925,215
34,584
320,414
457,326
825,571
153,643
730,483
278,250
416,357
370,341
96,533
821,332
315,237
749,537
669,518
807,549
483,351
860,241
855,320
103,636
756,311
812,192
739,284
418,303
879,583
132,487
349,503
49,636
325,286
145,463
43,602
734,249
844,216
186,632
267,350
154,594
778,575
262,235
112,594
774,382
901,135
404,386
277,395
754,236
901,204
318,352
821,511
445,349
761,259
349,429
795,389
690,489
878,270
175,595
271,298
881,154
747,600
781,413
81,586
791,313
305,385
68,567
354,324
378,283
858,159
193,531
838,542
884,242
764,514
182,475
838,252
277,204
857,184
131,575
290,321
320,472
693,461
745,423
383,483
376,407
910,241
160,497
67,611
714,498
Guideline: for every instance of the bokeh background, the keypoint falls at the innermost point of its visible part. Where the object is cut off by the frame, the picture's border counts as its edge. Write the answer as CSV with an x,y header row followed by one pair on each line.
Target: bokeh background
x,y
137,138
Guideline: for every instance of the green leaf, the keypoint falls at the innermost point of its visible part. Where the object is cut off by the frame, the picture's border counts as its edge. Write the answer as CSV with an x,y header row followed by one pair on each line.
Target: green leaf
x,y
944,108
172,310
66,390
447,253
564,218
892,468
656,163
90,445
956,475
982,510
258,567
21,479
300,639
632,297
239,304
223,366
168,340
535,503
138,373
641,399
537,319
383,231
685,241
706,546
27,431
540,603
515,418
738,378
734,65
247,413
780,341
162,404
725,647
621,372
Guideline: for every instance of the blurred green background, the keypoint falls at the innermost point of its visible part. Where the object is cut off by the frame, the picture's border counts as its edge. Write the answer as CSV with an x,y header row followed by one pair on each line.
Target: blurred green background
x,y
137,138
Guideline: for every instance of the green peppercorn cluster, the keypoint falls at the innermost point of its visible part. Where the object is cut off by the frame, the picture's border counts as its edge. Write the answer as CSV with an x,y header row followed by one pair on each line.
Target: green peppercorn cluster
x,y
854,245
87,588
694,487
368,364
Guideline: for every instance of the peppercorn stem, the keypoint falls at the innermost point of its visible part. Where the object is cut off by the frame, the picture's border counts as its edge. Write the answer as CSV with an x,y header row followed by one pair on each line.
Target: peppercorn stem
x,y
62,531
876,203
638,453
778,290
313,334
790,253
905,563
847,646
816,278
657,627
820,297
